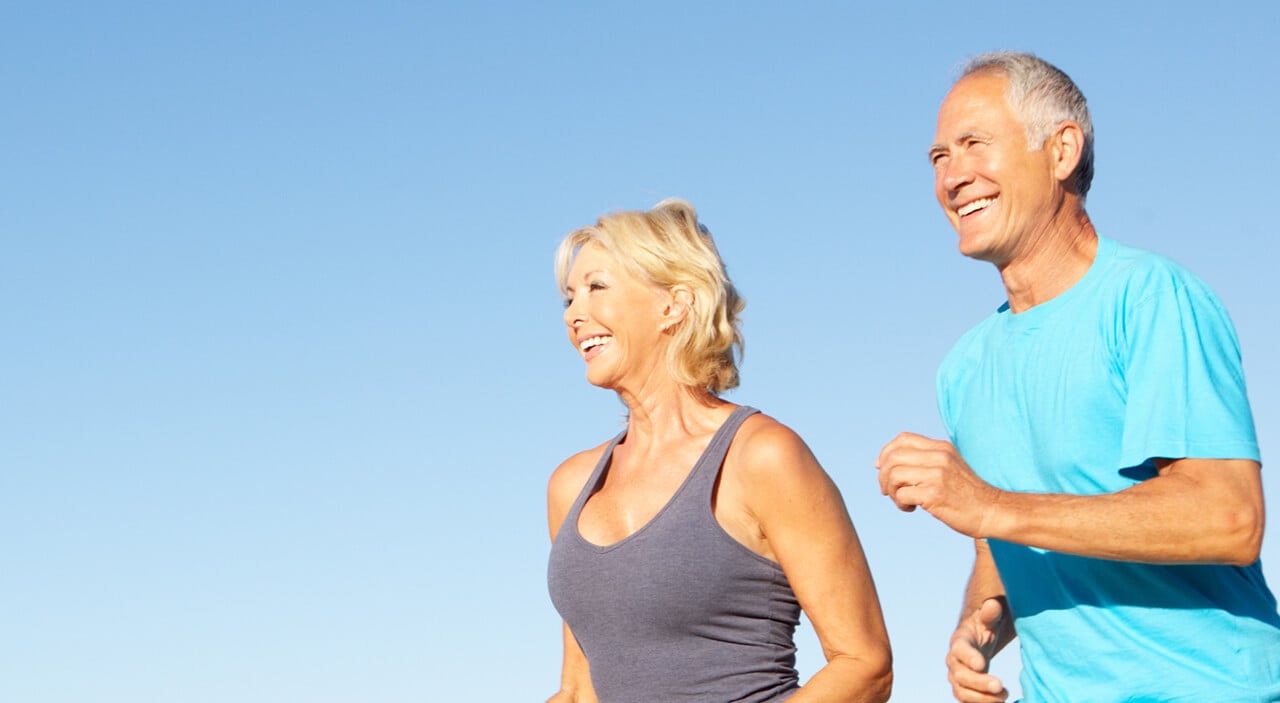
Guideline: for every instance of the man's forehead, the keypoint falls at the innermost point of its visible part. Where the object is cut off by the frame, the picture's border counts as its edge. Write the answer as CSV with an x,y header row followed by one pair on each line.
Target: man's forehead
x,y
977,90
971,105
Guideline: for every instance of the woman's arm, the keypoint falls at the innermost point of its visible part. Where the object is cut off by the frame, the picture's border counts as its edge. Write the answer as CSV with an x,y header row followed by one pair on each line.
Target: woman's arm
x,y
575,677
807,530
563,488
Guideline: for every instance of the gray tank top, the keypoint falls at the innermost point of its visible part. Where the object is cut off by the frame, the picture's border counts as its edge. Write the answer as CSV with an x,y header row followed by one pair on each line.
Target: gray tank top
x,y
679,610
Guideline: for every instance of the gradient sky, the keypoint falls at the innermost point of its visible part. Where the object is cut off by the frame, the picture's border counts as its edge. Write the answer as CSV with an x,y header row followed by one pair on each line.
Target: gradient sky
x,y
284,372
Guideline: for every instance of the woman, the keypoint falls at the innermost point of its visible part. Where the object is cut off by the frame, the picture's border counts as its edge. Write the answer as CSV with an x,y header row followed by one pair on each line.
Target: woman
x,y
684,549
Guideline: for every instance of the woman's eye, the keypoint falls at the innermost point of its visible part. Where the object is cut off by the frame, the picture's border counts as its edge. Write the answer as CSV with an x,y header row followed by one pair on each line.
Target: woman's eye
x,y
596,285
567,302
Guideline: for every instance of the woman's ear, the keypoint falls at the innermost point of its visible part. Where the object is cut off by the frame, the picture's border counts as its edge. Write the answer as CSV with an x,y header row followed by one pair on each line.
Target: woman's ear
x,y
678,307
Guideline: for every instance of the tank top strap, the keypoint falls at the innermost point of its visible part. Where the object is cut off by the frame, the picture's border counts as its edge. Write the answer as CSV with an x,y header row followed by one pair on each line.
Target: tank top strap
x,y
707,470
593,483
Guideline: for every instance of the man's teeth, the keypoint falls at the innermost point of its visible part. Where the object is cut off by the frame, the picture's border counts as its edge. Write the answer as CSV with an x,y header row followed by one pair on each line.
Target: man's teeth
x,y
975,206
589,342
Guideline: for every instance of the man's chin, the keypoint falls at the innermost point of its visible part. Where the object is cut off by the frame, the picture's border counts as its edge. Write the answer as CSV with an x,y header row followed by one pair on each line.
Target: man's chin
x,y
974,249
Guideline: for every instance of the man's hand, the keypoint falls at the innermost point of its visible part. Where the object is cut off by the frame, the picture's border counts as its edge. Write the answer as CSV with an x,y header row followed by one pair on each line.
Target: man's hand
x,y
972,646
929,473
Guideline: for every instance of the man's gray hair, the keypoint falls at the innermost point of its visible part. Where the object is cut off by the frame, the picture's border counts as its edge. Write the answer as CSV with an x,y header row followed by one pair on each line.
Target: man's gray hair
x,y
1044,97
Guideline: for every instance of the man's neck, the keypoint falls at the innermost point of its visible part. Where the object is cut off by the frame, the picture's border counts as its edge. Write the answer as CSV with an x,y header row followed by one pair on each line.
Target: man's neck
x,y
1055,262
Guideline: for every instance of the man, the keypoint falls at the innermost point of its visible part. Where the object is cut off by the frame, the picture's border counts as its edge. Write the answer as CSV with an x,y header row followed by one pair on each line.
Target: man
x,y
1103,454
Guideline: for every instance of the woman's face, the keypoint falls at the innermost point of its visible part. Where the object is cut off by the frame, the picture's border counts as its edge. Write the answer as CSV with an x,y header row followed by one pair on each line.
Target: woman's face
x,y
615,321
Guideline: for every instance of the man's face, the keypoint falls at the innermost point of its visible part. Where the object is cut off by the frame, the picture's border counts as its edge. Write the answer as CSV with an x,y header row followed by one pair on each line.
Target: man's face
x,y
996,193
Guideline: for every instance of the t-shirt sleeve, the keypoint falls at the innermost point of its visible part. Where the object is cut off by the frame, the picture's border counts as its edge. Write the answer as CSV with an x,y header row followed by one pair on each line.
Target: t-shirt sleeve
x,y
944,403
1181,364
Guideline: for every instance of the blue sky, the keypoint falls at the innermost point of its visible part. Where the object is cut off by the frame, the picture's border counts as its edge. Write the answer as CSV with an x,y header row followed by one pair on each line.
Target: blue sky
x,y
284,374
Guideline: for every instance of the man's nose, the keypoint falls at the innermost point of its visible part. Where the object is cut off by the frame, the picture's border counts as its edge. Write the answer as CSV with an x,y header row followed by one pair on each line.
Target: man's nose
x,y
955,174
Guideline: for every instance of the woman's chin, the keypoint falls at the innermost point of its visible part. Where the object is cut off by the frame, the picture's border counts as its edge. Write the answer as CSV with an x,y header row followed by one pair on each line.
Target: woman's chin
x,y
600,381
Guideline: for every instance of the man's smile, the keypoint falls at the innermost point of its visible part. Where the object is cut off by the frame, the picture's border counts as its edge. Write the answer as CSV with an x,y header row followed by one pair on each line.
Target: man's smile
x,y
974,206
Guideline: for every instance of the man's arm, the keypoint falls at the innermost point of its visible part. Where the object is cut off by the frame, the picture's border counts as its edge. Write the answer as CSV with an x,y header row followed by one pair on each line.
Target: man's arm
x,y
1192,511
985,627
984,585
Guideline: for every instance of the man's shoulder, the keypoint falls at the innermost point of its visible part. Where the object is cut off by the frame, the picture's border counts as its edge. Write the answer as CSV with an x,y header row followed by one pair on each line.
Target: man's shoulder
x,y
972,344
988,325
1137,270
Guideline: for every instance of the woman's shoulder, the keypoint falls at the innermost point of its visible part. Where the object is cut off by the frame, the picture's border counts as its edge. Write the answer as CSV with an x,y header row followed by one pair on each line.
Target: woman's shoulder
x,y
572,473
567,481
765,431
763,444
770,467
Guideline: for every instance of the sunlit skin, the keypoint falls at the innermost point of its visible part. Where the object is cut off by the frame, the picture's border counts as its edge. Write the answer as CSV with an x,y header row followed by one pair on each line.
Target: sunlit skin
x,y
772,496
1012,204
621,317
1008,200
1009,203
981,160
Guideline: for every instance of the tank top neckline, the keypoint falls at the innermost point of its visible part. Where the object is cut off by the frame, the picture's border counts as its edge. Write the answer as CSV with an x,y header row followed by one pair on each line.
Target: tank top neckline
x,y
730,423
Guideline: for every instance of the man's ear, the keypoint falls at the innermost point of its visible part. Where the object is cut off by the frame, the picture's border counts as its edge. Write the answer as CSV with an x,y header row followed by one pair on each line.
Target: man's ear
x,y
678,307
1067,147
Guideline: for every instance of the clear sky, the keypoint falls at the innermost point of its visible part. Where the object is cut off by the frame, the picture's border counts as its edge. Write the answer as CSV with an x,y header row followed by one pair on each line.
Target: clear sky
x,y
283,370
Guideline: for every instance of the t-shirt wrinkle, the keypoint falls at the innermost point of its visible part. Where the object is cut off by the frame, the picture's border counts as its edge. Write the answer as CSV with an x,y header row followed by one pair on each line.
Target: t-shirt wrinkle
x,y
1137,360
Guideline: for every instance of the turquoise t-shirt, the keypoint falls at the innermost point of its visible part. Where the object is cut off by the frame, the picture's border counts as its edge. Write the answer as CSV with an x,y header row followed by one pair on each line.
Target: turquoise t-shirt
x,y
1138,360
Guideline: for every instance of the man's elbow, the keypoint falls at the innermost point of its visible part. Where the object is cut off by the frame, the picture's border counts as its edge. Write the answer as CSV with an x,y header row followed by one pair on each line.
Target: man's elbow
x,y
1242,530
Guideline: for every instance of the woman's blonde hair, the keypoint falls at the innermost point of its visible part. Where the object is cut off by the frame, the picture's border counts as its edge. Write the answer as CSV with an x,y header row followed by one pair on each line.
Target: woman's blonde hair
x,y
668,247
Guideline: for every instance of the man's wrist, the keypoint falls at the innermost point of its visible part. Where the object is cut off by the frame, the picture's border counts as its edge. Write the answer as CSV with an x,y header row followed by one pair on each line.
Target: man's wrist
x,y
997,517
